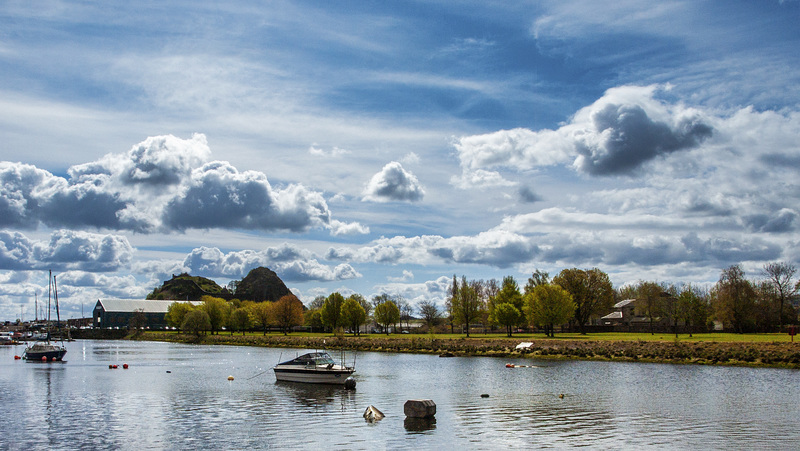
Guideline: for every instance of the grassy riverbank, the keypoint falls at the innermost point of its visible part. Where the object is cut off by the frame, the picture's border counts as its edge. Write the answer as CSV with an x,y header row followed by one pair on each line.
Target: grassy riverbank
x,y
765,350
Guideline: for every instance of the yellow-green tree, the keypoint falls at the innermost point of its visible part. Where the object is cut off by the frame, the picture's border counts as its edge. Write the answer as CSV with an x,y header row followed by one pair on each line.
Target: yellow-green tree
x,y
261,314
507,315
176,312
508,294
196,322
239,320
217,310
548,305
386,314
353,314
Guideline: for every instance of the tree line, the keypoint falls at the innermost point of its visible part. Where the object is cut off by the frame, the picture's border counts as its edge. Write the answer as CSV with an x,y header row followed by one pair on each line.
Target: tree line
x,y
573,298
213,314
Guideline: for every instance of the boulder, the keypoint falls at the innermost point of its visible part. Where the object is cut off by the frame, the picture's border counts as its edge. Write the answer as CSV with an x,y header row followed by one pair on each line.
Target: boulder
x,y
420,408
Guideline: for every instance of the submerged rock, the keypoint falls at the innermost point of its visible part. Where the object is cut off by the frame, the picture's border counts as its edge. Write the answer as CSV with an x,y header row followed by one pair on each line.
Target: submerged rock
x,y
372,414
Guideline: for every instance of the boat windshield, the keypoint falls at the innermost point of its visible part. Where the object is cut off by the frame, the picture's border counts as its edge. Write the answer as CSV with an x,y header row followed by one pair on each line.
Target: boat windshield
x,y
312,358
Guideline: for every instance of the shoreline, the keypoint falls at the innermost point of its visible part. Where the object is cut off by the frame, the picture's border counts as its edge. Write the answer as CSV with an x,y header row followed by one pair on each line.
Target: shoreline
x,y
749,354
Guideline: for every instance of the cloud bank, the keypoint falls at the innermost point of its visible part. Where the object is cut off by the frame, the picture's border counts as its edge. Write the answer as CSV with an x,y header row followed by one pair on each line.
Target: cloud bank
x,y
162,184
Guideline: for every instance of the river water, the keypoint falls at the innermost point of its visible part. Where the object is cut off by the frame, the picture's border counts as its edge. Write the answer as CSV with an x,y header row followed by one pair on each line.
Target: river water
x,y
176,396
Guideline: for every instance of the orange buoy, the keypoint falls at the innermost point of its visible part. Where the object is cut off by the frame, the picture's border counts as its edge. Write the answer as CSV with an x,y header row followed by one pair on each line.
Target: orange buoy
x,y
230,378
16,357
509,365
124,366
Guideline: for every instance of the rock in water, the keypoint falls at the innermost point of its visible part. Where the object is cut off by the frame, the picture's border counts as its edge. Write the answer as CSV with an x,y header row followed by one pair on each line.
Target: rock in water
x,y
420,408
372,414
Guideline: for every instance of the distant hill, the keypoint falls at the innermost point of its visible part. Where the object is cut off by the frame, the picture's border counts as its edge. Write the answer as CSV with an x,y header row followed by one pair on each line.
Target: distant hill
x,y
261,284
188,288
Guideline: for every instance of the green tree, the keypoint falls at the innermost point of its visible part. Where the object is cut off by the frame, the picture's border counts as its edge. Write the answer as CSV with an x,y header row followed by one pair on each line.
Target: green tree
x,y
591,291
548,305
239,320
353,315
363,302
287,312
386,314
508,294
176,312
733,299
332,310
217,310
507,315
538,277
195,322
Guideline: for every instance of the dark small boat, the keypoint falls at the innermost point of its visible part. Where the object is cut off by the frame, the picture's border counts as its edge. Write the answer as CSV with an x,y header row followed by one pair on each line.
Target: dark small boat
x,y
45,351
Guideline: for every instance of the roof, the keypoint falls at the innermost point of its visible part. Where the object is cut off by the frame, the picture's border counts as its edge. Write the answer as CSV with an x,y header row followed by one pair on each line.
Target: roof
x,y
131,305
613,315
624,303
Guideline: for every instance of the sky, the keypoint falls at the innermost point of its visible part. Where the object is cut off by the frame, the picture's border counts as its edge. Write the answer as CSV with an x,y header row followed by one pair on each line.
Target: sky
x,y
384,147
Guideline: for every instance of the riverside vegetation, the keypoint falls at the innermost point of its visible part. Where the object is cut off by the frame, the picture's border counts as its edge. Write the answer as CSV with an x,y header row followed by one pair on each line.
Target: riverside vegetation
x,y
573,298
758,350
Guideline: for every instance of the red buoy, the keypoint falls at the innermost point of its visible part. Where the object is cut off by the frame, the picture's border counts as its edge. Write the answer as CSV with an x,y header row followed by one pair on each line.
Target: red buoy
x,y
124,366
16,357
44,358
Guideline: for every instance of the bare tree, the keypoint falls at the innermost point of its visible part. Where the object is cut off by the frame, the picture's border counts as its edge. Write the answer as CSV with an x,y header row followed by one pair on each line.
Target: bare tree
x,y
780,275
734,299
466,303
430,313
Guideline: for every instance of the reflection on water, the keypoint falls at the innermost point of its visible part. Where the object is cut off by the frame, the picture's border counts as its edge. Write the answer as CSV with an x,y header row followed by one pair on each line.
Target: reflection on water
x,y
179,396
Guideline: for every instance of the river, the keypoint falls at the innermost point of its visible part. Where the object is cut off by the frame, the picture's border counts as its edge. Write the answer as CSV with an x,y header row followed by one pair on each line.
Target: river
x,y
176,396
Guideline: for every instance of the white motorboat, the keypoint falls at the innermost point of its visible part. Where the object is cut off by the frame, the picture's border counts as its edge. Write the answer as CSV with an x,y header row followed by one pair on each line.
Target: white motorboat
x,y
314,368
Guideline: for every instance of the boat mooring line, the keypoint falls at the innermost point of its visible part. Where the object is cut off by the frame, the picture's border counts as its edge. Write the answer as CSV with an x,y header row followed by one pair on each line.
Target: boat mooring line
x,y
259,374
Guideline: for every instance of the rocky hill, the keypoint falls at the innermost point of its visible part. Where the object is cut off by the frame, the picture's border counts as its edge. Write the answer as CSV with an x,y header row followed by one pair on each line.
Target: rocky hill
x,y
261,284
184,287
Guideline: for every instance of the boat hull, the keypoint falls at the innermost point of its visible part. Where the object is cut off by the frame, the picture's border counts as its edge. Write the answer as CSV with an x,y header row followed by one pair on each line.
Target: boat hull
x,y
313,376
49,353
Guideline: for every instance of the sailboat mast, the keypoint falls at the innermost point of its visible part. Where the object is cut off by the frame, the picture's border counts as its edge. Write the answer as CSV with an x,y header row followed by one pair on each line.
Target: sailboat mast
x,y
49,293
58,315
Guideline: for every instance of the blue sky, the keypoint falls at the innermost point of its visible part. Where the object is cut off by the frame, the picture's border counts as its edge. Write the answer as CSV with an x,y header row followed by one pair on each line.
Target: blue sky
x,y
385,146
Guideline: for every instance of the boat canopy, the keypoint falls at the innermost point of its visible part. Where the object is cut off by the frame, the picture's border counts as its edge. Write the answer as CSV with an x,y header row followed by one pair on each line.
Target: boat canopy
x,y
312,358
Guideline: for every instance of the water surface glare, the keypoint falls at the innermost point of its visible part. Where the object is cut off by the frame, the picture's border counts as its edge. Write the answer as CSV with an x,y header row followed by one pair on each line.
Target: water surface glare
x,y
176,396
